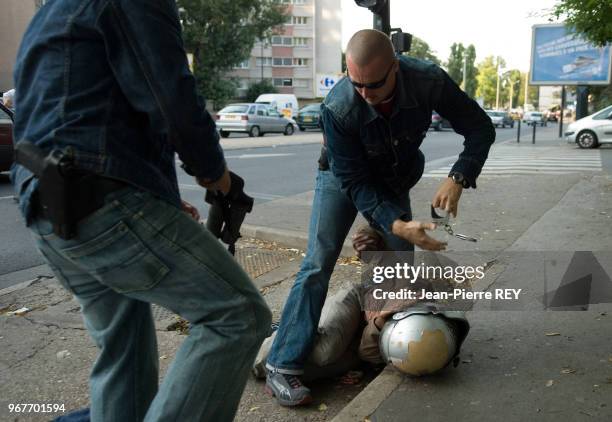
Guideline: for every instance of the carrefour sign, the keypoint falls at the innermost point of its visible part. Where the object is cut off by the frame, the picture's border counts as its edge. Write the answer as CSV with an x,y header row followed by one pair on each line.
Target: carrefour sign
x,y
559,56
326,82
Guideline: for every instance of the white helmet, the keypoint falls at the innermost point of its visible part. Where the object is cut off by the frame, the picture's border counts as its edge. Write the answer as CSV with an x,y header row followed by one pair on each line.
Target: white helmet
x,y
423,340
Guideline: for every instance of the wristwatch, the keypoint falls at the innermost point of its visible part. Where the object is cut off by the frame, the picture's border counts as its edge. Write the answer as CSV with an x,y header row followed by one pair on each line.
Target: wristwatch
x,y
459,178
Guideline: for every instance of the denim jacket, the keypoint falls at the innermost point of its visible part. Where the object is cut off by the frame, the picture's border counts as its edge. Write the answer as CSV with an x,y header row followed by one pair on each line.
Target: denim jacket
x,y
108,82
378,159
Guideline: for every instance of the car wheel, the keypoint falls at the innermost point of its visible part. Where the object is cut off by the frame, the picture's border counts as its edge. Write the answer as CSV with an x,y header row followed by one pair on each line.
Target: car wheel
x,y
254,132
224,134
288,130
587,139
302,128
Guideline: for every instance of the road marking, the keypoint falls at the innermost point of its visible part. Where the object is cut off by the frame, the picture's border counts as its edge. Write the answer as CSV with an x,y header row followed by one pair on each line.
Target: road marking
x,y
257,195
506,160
246,156
6,197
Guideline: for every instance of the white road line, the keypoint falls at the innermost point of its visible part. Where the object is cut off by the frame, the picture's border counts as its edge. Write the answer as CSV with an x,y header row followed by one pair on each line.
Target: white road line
x,y
6,197
257,195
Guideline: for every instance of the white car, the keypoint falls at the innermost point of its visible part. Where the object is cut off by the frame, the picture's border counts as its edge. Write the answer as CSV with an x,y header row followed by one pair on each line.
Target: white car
x,y
593,130
534,118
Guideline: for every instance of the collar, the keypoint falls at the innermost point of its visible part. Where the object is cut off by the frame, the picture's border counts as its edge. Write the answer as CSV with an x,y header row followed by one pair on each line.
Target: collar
x,y
403,94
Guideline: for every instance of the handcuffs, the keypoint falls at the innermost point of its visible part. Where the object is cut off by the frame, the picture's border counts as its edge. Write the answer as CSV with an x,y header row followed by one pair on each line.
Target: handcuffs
x,y
443,221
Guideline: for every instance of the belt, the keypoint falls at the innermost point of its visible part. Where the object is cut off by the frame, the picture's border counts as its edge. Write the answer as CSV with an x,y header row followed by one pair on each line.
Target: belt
x,y
91,192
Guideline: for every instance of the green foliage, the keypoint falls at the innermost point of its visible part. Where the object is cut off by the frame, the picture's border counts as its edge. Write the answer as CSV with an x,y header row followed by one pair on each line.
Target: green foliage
x,y
220,34
458,54
258,88
601,96
421,50
592,18
454,65
487,81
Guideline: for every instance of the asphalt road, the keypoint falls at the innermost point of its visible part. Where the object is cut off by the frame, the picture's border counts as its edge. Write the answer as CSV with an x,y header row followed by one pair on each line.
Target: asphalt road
x,y
270,173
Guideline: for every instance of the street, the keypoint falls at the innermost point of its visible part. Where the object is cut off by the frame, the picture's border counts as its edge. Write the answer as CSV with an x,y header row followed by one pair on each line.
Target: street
x,y
270,172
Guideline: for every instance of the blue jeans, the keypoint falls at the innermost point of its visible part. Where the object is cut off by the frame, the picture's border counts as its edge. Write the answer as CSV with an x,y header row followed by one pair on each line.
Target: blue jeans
x,y
333,214
137,250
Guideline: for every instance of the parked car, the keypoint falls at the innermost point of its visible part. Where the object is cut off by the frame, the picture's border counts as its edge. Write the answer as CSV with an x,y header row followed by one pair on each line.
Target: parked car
x,y
6,139
534,118
254,119
285,104
500,118
308,117
438,122
593,130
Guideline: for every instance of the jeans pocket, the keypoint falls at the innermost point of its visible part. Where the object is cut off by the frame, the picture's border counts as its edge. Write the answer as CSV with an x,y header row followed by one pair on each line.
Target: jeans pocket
x,y
119,259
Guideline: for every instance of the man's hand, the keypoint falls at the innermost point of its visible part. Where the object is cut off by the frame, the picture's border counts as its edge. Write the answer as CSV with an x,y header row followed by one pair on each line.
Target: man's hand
x,y
414,232
378,317
447,196
223,184
191,210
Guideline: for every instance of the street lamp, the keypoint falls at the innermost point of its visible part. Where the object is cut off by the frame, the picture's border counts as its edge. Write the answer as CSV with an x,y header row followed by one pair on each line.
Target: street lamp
x,y
497,92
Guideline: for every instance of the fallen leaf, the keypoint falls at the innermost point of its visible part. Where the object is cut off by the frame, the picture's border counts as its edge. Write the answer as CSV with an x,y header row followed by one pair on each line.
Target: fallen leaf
x,y
549,383
252,409
552,334
163,357
568,371
322,407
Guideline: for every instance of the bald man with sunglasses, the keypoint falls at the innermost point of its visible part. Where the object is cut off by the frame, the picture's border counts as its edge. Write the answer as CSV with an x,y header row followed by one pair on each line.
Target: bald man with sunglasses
x,y
374,121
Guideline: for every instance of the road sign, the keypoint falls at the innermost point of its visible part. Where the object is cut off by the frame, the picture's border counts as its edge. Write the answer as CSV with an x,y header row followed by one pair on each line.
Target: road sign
x,y
560,56
325,82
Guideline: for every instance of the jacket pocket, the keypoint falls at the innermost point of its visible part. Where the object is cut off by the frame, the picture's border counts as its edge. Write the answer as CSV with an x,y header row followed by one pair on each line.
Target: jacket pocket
x,y
119,259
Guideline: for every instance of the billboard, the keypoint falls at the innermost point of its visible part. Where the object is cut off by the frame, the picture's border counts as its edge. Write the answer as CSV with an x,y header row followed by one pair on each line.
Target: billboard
x,y
560,56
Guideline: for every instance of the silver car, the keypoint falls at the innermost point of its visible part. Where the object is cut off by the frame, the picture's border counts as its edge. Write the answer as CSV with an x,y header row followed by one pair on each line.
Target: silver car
x,y
593,130
254,119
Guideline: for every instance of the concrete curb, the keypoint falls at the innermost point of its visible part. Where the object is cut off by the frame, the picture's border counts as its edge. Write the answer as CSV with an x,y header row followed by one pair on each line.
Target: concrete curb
x,y
291,238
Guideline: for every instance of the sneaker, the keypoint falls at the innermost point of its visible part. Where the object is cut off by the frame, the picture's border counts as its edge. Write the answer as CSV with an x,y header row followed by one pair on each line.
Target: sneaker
x,y
288,389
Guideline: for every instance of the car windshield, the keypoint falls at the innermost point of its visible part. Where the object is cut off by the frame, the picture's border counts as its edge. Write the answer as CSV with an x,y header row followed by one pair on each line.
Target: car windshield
x,y
311,107
495,113
235,109
603,114
4,116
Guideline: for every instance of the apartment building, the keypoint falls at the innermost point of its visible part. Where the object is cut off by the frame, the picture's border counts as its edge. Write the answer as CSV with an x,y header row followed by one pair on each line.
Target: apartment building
x,y
306,52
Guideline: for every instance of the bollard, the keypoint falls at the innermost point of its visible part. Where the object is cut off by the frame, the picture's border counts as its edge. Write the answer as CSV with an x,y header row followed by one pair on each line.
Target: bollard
x,y
534,131
518,132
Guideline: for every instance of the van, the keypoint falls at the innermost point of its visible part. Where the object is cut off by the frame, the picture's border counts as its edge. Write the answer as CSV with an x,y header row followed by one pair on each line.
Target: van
x,y
285,104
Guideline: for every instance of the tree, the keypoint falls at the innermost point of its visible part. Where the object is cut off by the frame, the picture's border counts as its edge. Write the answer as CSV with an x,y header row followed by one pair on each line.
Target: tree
x,y
471,84
514,85
258,88
592,18
487,80
454,65
421,50
220,34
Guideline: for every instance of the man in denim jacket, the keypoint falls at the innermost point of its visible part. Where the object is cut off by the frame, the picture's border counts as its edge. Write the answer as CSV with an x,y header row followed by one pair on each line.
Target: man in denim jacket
x,y
374,121
106,82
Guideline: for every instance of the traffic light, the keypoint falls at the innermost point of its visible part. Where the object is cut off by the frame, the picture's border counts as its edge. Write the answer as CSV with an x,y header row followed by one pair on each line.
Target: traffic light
x,y
380,8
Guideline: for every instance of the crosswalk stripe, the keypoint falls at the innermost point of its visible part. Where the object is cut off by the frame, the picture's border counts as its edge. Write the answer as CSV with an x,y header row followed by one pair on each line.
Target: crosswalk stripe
x,y
505,161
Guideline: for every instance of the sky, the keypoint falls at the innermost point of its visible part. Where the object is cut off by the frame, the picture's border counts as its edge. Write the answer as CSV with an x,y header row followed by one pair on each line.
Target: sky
x,y
494,27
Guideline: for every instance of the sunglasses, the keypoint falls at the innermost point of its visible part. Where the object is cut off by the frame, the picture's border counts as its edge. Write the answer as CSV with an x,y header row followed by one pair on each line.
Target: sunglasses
x,y
371,85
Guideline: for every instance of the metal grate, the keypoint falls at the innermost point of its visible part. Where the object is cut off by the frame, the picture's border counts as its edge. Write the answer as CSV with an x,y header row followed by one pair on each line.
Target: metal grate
x,y
256,261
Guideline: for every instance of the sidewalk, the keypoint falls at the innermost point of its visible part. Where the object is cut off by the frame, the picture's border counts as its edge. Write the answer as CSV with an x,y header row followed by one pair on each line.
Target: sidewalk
x,y
516,365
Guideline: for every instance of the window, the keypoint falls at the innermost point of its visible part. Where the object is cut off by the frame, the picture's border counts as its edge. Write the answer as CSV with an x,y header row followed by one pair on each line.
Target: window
x,y
276,40
283,82
300,42
242,65
263,61
299,20
299,1
282,61
300,62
